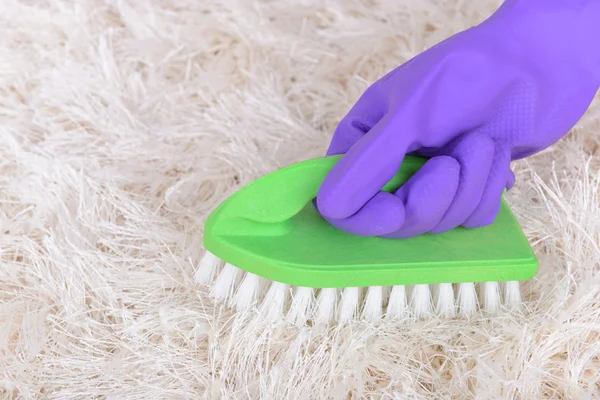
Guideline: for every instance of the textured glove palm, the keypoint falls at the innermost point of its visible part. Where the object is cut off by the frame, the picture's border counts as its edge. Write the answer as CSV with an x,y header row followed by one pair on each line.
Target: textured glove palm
x,y
500,91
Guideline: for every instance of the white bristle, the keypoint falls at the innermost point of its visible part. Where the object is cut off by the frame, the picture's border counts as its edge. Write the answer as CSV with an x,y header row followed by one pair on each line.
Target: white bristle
x,y
420,301
445,306
247,293
512,295
467,299
373,303
349,304
491,297
389,302
225,283
302,302
274,302
208,266
396,308
326,305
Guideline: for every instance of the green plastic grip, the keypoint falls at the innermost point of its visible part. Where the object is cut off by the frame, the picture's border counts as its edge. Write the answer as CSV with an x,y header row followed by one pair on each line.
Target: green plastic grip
x,y
271,228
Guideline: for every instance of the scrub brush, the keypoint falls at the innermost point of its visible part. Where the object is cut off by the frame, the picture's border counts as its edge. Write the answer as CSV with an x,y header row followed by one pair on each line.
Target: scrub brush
x,y
268,249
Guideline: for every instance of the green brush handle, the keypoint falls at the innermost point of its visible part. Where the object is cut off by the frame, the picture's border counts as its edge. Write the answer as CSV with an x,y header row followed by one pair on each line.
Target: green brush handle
x,y
279,196
270,228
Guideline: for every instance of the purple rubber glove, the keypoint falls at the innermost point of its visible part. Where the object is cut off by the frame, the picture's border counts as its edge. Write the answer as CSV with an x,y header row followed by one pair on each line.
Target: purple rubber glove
x,y
503,90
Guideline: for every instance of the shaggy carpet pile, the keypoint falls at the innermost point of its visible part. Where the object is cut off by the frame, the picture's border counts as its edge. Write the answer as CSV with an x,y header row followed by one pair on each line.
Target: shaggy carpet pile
x,y
125,122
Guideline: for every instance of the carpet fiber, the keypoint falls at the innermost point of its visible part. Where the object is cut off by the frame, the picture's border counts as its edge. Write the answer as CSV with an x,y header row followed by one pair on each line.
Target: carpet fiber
x,y
123,123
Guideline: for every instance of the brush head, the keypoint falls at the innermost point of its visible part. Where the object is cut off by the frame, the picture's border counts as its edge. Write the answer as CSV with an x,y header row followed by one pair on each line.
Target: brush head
x,y
277,302
271,229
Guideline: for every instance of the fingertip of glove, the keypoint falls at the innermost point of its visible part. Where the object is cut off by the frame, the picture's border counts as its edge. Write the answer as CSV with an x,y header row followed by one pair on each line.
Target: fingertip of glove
x,y
484,219
329,206
511,180
382,215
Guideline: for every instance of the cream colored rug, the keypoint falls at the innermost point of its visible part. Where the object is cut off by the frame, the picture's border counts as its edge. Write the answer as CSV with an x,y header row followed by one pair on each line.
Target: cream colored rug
x,y
123,123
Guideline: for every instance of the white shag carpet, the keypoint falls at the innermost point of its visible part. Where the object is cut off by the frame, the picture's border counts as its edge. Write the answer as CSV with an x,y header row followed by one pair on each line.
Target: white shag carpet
x,y
123,123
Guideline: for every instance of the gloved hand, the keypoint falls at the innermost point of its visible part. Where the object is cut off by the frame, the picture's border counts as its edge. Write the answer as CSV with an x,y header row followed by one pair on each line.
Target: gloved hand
x,y
500,91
